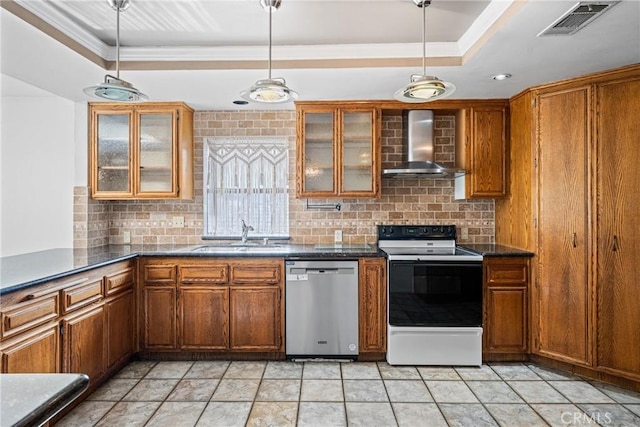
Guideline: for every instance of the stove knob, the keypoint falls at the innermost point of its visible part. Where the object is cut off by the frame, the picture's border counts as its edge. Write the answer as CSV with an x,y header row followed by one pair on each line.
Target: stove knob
x,y
383,231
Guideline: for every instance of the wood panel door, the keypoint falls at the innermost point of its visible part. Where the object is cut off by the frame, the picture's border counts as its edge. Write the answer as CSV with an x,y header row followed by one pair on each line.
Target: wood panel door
x,y
204,318
255,318
373,305
487,177
618,233
83,342
159,318
121,323
564,293
33,352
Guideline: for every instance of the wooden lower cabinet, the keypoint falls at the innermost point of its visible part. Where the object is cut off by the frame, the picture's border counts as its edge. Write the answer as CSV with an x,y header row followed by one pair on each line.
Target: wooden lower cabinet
x,y
212,304
505,318
255,319
83,342
159,318
372,305
204,318
120,312
33,352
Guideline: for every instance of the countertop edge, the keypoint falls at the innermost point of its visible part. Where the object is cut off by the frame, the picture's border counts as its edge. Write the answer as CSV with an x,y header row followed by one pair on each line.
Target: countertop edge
x,y
182,252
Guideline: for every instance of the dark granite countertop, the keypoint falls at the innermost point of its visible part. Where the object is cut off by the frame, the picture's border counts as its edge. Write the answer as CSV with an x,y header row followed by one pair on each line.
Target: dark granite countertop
x,y
32,399
22,271
494,250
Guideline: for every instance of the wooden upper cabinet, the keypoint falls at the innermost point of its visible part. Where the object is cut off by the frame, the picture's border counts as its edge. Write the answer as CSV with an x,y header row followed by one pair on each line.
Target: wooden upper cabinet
x,y
481,149
338,151
140,151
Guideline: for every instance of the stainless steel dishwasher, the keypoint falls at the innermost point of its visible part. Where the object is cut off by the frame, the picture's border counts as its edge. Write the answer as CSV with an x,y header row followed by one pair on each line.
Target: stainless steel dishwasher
x,y
321,309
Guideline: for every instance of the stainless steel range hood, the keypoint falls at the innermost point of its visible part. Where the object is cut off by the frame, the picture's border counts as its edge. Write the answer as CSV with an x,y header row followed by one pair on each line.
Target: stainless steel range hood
x,y
417,136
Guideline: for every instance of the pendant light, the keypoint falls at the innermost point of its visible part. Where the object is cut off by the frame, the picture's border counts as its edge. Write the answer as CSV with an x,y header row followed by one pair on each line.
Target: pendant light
x,y
114,88
271,90
424,88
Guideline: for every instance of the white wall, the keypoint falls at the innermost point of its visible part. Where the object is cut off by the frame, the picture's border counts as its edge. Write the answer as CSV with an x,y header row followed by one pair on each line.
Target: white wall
x,y
37,173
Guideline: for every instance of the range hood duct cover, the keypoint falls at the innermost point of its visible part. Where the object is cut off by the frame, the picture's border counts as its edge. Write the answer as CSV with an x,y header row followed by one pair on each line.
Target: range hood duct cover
x,y
418,144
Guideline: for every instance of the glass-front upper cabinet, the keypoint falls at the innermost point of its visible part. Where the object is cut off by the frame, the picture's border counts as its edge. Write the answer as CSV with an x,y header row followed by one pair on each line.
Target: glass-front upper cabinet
x,y
155,143
337,151
114,153
141,151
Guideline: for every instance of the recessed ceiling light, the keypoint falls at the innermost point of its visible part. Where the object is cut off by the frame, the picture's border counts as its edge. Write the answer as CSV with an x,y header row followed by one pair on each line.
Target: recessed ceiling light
x,y
501,76
240,102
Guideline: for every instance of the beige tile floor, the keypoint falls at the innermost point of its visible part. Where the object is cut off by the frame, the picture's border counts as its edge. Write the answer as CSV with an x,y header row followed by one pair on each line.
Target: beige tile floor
x,y
222,393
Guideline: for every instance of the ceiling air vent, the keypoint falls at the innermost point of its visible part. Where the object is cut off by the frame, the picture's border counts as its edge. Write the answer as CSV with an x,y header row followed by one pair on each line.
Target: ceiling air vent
x,y
578,17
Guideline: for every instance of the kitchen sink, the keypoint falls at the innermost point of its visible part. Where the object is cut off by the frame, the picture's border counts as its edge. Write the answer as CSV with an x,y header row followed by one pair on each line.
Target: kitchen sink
x,y
242,248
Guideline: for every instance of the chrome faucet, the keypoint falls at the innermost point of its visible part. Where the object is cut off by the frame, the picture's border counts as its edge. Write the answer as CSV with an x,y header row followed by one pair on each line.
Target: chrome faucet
x,y
245,231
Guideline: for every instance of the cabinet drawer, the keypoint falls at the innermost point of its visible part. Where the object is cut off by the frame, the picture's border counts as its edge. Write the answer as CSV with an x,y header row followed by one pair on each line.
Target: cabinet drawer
x,y
256,273
119,281
26,315
507,272
210,273
81,295
160,274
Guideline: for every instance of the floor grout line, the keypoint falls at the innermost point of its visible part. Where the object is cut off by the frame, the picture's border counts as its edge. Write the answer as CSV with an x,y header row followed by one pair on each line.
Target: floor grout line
x,y
355,375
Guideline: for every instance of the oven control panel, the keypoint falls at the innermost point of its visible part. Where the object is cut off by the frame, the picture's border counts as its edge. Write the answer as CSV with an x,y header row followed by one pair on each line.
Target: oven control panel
x,y
416,232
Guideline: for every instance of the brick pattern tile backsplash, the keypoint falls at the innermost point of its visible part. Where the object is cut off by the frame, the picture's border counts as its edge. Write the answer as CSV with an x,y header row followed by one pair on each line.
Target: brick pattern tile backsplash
x,y
403,201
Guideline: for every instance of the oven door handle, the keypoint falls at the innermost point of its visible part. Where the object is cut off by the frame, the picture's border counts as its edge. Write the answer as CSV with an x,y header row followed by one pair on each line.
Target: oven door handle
x,y
446,260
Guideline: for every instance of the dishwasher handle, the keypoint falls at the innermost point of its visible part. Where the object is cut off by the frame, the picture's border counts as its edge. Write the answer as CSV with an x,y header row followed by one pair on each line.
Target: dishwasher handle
x,y
321,270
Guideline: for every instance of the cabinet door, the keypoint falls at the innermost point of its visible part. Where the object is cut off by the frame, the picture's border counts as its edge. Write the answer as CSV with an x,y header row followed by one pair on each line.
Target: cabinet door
x,y
83,343
111,133
34,352
316,153
564,291
120,327
618,234
358,153
157,161
203,318
256,319
159,317
505,325
373,305
487,174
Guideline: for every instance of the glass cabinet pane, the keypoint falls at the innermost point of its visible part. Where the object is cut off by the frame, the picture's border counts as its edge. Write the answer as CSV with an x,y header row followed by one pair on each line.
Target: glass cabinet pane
x,y
113,152
156,152
318,152
357,149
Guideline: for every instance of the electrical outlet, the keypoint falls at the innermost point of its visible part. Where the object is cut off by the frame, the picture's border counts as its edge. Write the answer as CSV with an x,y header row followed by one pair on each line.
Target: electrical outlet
x,y
464,233
178,222
126,237
337,236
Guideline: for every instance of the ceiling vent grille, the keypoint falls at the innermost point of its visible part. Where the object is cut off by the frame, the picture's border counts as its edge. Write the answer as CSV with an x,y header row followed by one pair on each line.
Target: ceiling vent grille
x,y
577,18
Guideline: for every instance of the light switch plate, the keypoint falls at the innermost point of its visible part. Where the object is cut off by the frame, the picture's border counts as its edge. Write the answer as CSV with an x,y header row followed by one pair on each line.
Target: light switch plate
x,y
126,237
337,236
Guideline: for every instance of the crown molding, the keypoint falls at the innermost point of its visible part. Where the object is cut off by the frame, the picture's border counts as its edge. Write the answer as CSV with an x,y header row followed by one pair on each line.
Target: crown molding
x,y
89,46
